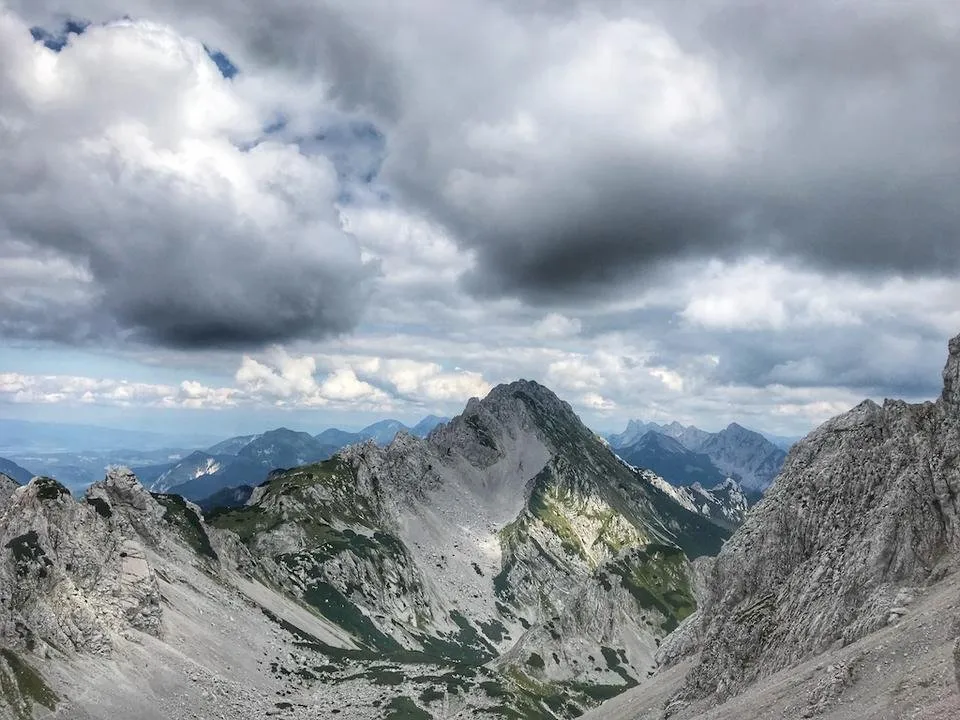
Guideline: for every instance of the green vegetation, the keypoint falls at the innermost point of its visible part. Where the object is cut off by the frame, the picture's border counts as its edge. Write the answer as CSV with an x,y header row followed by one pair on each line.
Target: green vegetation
x,y
431,694
466,647
245,522
548,503
657,578
615,662
329,489
49,489
22,687
312,496
403,708
26,552
495,630
330,603
531,699
185,519
101,506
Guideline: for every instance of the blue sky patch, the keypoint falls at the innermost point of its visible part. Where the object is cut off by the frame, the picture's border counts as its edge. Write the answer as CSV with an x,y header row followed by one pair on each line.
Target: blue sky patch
x,y
58,39
224,63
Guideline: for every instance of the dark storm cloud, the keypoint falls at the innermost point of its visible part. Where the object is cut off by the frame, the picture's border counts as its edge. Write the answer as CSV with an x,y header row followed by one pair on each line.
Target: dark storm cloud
x,y
842,132
123,174
574,146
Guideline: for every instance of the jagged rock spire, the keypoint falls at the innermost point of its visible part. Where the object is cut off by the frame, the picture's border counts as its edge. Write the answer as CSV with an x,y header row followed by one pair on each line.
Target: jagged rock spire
x,y
951,374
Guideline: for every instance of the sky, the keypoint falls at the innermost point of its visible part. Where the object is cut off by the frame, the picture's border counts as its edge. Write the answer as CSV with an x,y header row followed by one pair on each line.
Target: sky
x,y
225,216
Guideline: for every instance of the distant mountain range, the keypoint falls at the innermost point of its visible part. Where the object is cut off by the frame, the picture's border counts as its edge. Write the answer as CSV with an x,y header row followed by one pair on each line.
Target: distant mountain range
x,y
685,454
247,459
14,471
196,471
670,459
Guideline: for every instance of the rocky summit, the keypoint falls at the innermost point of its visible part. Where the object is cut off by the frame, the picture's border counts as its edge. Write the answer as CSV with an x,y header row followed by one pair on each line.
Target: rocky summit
x,y
838,596
507,565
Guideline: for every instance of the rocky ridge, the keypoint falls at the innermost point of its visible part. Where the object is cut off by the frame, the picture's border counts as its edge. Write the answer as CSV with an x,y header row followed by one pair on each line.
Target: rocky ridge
x,y
859,530
507,564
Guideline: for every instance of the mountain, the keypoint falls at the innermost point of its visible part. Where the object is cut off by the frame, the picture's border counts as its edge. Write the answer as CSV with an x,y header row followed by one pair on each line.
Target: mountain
x,y
838,596
383,432
14,471
339,439
725,504
689,436
231,446
283,448
745,455
735,451
427,425
508,565
200,475
509,522
672,461
634,431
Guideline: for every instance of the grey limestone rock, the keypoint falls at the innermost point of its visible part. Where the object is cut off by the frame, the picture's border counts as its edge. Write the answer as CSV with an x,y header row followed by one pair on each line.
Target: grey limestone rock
x,y
865,509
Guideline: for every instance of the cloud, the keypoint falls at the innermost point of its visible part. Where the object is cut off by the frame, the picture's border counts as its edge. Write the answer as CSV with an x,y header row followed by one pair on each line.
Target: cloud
x,y
354,381
700,211
571,147
55,389
612,143
135,167
595,401
555,325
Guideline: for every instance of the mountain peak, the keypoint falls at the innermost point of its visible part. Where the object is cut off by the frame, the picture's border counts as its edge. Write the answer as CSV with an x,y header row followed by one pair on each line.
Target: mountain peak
x,y
485,427
282,432
120,478
951,374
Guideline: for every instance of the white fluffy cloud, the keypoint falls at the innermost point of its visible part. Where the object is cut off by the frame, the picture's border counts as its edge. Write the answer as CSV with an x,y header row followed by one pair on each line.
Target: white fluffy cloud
x,y
354,381
134,168
51,389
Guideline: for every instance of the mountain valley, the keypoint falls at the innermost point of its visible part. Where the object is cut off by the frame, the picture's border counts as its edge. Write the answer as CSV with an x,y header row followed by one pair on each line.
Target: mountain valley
x,y
509,564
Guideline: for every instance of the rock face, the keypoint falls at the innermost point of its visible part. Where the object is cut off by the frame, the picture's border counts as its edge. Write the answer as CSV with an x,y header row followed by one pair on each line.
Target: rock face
x,y
511,533
956,661
864,513
7,487
69,578
508,564
744,455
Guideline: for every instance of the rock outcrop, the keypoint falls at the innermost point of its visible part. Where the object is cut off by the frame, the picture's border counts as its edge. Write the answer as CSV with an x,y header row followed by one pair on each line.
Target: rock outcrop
x,y
511,532
507,564
862,517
